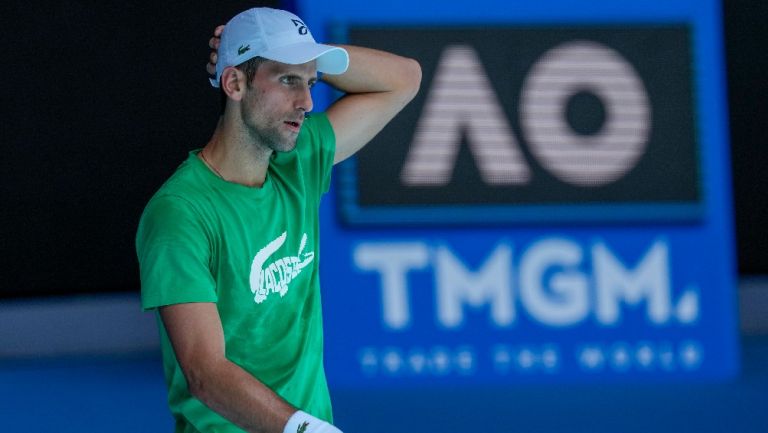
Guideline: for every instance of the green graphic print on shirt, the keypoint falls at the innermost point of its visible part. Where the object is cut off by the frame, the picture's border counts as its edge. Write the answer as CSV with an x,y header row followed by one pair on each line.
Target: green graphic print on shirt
x,y
253,252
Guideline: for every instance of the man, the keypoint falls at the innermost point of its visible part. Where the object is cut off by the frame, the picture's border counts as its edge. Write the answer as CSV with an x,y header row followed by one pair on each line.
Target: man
x,y
228,246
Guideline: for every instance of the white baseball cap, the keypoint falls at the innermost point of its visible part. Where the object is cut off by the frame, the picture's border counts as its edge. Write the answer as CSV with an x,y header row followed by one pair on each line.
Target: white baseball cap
x,y
275,35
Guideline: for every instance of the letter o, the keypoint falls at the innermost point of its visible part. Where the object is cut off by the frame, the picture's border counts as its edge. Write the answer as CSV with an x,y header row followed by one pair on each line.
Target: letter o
x,y
585,160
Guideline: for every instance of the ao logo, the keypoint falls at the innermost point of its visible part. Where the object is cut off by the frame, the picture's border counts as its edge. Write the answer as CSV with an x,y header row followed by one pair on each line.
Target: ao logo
x,y
461,100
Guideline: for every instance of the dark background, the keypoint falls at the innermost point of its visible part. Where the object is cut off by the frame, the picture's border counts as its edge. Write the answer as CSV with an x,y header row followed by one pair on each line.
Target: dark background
x,y
101,101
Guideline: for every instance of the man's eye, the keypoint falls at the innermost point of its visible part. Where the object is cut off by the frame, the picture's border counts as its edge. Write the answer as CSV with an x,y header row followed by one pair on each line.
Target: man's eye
x,y
289,80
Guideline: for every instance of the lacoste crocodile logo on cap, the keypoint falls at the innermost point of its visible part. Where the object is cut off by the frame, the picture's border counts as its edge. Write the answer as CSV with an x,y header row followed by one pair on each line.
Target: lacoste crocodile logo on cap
x,y
303,427
243,49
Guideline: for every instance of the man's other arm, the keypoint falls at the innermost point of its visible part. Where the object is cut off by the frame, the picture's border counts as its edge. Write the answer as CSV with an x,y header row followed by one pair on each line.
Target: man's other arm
x,y
197,337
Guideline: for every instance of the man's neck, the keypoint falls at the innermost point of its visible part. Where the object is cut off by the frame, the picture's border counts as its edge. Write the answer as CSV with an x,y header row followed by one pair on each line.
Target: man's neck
x,y
232,157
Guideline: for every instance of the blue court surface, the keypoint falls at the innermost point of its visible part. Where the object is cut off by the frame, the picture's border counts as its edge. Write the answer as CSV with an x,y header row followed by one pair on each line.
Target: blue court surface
x,y
127,394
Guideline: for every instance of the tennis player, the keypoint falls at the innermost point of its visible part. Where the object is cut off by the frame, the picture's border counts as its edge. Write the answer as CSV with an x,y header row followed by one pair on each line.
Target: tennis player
x,y
228,246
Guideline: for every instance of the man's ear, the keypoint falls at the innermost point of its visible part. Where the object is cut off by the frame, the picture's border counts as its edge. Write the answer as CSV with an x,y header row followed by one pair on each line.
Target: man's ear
x,y
233,83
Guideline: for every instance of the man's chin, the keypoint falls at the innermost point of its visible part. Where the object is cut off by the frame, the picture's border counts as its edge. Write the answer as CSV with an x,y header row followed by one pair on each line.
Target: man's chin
x,y
284,147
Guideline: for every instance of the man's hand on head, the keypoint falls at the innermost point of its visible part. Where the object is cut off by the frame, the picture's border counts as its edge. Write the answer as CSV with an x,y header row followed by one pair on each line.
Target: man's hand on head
x,y
213,44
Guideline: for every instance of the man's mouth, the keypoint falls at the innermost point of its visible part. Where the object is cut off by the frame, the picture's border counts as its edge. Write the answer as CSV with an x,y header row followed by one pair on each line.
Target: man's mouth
x,y
292,124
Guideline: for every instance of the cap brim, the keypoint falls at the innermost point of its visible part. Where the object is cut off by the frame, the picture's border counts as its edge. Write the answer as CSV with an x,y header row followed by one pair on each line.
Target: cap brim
x,y
330,60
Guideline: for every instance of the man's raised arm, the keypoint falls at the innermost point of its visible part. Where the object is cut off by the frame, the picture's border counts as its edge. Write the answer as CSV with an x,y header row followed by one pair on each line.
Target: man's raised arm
x,y
377,85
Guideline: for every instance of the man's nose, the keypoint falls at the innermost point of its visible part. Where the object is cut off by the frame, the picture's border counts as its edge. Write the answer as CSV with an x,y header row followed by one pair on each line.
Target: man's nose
x,y
304,100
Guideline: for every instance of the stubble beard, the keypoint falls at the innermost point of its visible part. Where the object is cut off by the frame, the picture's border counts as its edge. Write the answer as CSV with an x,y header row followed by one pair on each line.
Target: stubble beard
x,y
265,133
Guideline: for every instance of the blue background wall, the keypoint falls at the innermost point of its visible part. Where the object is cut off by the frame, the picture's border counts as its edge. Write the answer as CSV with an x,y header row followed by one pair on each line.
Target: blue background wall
x,y
693,258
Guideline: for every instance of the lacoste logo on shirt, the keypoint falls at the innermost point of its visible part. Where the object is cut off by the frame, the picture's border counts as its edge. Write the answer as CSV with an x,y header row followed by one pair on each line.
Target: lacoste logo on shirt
x,y
303,427
277,275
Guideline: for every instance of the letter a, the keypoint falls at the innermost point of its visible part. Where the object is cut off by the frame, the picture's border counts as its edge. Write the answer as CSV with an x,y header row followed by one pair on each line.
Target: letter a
x,y
461,99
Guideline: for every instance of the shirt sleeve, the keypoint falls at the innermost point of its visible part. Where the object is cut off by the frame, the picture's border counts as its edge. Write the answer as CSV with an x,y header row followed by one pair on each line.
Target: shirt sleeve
x,y
174,251
319,134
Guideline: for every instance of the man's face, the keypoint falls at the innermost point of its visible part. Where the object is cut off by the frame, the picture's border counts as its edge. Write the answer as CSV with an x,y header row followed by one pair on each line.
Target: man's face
x,y
275,102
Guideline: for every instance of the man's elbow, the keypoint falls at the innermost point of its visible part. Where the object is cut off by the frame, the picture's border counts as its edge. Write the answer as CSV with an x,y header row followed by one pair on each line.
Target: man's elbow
x,y
411,76
197,384
200,377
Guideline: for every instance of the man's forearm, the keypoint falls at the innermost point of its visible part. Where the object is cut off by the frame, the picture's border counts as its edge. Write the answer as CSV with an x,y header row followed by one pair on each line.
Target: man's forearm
x,y
373,71
236,395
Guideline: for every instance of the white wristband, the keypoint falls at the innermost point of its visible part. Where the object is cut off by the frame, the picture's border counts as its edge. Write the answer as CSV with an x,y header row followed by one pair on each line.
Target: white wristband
x,y
302,422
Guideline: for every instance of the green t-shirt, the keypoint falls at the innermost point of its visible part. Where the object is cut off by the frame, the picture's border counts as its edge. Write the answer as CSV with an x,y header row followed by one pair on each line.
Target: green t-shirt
x,y
253,252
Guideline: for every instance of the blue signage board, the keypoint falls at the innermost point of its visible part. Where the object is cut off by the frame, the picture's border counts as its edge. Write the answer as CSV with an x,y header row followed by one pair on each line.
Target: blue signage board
x,y
553,206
